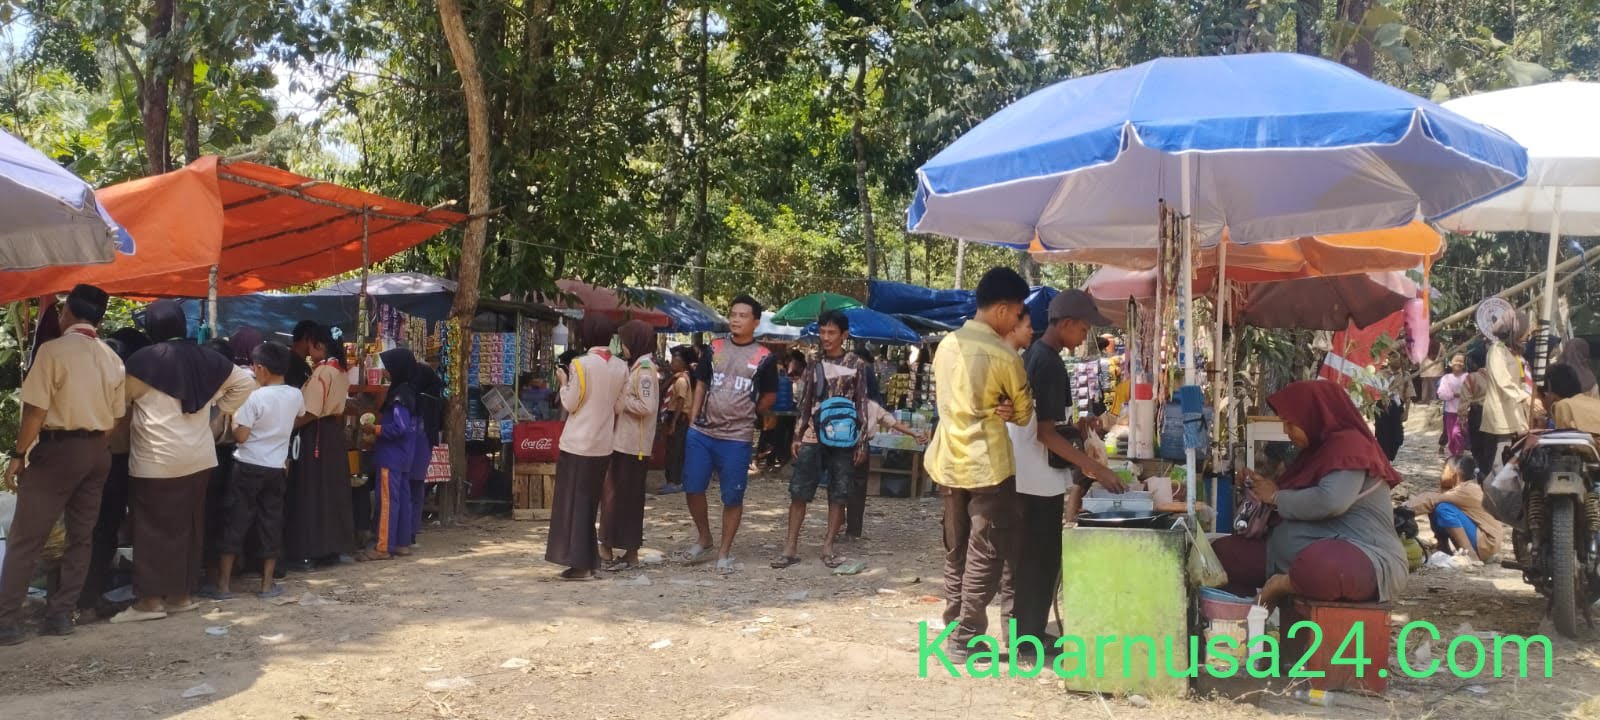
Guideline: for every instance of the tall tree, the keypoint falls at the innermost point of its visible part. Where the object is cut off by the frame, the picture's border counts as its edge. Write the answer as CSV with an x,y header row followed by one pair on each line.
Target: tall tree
x,y
465,303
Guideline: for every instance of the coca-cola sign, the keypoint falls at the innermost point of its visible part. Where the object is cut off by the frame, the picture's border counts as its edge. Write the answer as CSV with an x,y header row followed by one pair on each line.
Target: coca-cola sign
x,y
538,445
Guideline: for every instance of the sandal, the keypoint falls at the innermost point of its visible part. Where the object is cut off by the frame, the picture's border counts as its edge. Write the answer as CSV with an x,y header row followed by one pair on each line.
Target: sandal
x,y
136,615
187,607
403,552
832,561
372,555
571,574
695,555
784,561
276,591
214,594
727,566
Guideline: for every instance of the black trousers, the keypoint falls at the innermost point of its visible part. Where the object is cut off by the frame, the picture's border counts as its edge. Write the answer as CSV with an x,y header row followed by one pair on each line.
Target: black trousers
x,y
1028,588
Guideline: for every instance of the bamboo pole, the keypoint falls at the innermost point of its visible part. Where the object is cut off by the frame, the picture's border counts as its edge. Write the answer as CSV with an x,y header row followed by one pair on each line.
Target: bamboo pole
x,y
1564,266
211,302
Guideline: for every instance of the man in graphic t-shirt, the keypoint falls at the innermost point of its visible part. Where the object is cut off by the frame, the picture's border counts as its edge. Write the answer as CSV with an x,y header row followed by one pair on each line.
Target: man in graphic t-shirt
x,y
737,380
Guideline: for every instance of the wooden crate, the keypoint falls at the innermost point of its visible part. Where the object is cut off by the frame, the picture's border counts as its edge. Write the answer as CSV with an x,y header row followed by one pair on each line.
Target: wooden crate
x,y
533,488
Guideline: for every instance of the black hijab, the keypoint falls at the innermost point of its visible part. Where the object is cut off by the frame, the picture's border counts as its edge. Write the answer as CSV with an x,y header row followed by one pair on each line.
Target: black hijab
x,y
402,367
430,401
176,365
130,340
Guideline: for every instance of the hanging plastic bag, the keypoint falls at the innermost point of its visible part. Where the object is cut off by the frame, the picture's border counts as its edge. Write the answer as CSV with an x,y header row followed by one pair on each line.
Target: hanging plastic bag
x,y
1095,448
1204,566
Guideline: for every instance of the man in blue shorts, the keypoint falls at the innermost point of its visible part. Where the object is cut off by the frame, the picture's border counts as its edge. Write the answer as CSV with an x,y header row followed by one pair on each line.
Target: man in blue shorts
x,y
737,382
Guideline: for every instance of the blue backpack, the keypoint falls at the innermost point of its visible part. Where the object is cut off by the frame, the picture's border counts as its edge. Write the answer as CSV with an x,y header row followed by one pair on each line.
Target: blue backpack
x,y
838,422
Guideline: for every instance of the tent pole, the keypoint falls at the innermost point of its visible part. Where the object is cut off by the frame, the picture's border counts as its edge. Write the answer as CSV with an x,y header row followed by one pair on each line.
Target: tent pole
x,y
961,263
1186,295
361,301
1548,312
211,303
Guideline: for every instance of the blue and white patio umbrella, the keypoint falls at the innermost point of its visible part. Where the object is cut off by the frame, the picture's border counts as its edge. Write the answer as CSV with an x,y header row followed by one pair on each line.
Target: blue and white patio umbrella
x,y
1268,146
50,215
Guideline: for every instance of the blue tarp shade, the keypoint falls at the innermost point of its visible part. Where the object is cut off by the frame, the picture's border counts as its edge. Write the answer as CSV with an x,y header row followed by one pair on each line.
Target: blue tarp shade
x,y
948,308
335,306
688,314
1039,308
873,326
279,313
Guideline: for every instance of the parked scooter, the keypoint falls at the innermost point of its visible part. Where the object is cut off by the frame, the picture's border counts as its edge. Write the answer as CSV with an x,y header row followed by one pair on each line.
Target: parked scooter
x,y
1547,492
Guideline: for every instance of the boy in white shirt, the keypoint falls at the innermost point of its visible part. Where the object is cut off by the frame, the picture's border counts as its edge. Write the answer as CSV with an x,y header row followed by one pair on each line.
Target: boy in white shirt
x,y
254,495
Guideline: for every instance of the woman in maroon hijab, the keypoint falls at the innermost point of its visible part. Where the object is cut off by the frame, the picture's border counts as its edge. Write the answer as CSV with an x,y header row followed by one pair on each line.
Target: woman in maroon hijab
x,y
1333,538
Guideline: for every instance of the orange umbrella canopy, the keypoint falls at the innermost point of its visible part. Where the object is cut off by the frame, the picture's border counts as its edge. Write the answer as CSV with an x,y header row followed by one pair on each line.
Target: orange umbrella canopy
x,y
264,228
1401,248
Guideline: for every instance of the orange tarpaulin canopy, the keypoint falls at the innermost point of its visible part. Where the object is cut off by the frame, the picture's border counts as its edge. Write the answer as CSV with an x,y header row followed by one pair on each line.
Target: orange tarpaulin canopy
x,y
1401,248
264,229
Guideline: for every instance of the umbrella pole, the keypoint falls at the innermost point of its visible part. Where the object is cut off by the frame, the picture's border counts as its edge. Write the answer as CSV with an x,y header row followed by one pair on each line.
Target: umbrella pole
x,y
1548,312
1222,379
211,303
1187,295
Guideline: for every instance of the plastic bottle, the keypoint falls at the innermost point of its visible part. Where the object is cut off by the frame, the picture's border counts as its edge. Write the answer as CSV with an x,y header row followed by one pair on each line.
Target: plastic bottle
x,y
1321,698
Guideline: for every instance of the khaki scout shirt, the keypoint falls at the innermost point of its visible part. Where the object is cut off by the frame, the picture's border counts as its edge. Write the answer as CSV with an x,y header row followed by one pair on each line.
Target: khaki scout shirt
x,y
78,381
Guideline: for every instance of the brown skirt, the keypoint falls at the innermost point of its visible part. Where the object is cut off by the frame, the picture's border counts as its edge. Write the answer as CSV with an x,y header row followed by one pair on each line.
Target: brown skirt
x,y
169,530
318,519
579,483
622,503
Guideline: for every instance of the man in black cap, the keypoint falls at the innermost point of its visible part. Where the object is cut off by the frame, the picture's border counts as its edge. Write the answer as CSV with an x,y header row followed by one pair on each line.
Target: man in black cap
x,y
1029,583
71,399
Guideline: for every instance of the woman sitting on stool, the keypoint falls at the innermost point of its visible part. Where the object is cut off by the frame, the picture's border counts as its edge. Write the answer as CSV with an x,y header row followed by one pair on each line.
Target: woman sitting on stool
x,y
1334,538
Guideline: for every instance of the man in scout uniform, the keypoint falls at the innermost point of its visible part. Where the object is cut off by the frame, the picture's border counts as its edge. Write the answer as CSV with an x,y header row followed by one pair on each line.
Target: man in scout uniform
x,y
71,398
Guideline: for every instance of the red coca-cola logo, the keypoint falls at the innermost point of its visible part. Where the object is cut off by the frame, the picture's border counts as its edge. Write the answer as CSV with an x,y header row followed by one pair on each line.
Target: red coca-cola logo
x,y
537,445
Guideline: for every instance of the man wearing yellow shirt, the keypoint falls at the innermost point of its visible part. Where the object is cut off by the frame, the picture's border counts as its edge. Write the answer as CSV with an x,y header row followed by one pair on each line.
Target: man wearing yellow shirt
x,y
971,458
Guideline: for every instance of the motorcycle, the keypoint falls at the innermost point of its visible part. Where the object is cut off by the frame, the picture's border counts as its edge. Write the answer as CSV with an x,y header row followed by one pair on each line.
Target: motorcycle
x,y
1548,493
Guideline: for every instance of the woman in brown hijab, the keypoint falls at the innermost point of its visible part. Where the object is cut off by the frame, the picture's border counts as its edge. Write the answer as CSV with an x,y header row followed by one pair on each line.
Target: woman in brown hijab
x,y
622,501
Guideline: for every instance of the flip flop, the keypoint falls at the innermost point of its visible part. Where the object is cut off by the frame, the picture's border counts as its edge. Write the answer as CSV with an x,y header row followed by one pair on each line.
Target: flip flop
x,y
371,556
832,561
276,591
726,566
192,605
215,594
784,561
695,555
131,615
570,576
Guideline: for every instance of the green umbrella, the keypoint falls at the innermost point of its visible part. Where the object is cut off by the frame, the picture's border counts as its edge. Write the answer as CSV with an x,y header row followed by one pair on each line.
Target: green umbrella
x,y
805,310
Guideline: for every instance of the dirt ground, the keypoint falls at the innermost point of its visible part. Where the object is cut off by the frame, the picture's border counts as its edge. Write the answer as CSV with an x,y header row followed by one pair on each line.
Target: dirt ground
x,y
479,614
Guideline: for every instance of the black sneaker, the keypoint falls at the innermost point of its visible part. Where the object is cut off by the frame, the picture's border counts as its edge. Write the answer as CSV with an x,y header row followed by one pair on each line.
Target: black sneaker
x,y
11,634
58,625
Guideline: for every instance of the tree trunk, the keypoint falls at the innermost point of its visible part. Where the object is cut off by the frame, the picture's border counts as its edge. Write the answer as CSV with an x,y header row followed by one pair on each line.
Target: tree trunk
x,y
869,241
155,87
702,181
1359,56
466,299
184,84
1307,27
